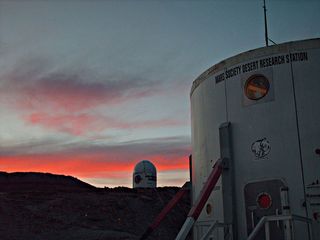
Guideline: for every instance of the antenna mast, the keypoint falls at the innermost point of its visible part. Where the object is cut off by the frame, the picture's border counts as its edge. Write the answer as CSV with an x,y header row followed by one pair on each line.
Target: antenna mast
x,y
265,23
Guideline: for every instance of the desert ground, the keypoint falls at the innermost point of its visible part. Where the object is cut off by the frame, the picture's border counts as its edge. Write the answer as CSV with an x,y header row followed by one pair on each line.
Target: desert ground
x,y
54,207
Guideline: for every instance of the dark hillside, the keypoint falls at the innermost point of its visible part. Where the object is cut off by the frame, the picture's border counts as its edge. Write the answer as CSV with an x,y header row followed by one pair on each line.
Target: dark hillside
x,y
52,207
32,181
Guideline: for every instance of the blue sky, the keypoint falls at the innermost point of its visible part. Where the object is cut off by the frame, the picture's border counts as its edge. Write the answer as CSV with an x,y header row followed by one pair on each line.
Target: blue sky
x,y
89,88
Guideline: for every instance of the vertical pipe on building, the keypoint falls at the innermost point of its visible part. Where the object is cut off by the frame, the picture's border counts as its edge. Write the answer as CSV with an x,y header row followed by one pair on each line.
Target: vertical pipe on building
x,y
265,23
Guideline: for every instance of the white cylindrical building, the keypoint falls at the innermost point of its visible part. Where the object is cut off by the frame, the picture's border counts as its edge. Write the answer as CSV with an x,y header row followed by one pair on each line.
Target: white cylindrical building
x,y
145,175
260,111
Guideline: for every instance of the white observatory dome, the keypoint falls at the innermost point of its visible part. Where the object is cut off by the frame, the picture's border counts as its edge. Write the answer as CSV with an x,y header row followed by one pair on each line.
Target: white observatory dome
x,y
144,175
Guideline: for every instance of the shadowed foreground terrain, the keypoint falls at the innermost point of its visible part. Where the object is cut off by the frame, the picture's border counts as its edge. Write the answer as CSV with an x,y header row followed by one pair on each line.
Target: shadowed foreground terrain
x,y
46,206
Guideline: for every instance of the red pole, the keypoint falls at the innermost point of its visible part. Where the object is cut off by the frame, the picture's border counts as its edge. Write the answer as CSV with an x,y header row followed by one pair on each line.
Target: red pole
x,y
206,191
201,201
173,202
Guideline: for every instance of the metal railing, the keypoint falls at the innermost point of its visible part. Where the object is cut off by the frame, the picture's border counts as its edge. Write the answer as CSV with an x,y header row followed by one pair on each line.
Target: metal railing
x,y
264,222
214,226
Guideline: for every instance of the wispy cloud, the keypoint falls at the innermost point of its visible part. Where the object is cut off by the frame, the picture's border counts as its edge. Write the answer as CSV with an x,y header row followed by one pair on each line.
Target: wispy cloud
x,y
35,86
84,123
65,101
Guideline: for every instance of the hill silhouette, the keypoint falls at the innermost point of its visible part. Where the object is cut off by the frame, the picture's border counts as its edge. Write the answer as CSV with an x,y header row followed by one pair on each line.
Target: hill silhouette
x,y
45,206
34,181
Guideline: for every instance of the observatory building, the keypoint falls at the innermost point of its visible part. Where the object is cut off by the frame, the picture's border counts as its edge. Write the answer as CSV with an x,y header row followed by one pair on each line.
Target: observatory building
x,y
259,113
144,175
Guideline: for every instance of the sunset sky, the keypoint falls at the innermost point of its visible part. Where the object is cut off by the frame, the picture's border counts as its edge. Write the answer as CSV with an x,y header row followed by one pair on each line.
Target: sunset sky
x,y
90,88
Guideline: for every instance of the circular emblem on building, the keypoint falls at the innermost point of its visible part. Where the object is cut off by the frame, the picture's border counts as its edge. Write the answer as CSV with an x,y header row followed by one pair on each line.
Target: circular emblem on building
x,y
261,148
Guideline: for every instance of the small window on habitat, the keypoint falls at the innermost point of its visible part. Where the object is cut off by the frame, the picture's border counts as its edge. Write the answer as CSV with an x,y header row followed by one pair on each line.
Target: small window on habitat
x,y
256,87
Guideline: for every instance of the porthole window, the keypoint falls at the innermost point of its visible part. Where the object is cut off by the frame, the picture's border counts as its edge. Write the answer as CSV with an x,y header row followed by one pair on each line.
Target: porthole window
x,y
256,87
137,179
264,200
